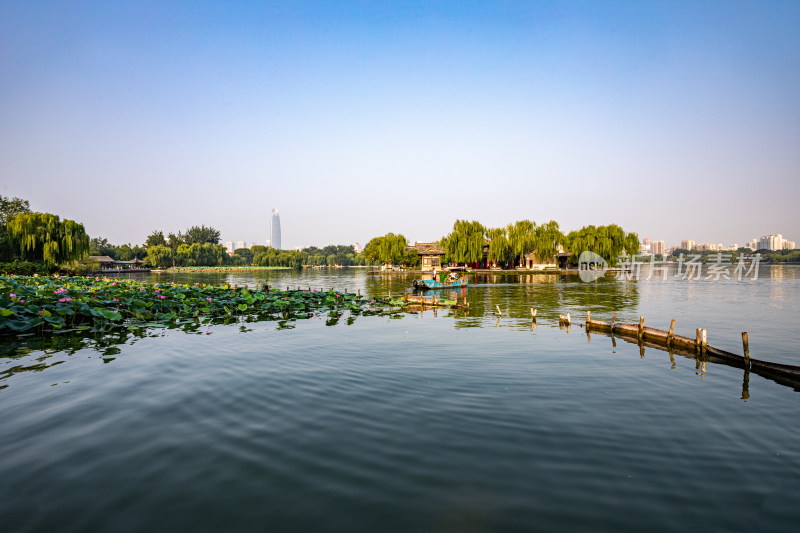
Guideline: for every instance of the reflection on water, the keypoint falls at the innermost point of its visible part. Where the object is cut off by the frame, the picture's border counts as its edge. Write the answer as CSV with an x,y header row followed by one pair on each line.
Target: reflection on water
x,y
409,425
431,421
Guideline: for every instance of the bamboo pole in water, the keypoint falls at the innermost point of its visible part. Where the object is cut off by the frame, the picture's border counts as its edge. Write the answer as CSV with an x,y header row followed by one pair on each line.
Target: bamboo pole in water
x,y
746,345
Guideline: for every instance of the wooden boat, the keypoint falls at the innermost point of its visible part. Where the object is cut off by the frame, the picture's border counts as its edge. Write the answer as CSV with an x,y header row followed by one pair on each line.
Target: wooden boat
x,y
426,284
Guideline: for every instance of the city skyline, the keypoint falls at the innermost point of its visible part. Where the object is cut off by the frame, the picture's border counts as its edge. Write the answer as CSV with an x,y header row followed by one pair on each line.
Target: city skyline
x,y
675,120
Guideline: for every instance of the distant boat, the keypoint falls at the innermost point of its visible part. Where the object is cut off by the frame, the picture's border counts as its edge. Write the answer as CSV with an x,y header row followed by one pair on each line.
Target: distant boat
x,y
426,284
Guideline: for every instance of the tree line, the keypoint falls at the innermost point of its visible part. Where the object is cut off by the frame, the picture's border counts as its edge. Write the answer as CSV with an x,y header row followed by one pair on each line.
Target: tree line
x,y
472,243
47,242
767,256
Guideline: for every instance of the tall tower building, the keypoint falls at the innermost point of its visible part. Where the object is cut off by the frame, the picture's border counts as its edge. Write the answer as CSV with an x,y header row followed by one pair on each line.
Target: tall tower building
x,y
275,230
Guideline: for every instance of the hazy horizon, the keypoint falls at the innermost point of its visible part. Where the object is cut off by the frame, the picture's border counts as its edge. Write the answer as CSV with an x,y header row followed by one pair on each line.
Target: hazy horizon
x,y
677,120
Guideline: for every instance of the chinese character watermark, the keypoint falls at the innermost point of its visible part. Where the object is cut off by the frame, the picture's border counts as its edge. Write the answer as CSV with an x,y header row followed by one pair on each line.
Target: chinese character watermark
x,y
720,266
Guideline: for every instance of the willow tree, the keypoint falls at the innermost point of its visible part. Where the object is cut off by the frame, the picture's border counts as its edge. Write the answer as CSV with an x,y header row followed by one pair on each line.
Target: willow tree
x,y
521,238
160,256
44,237
388,249
500,247
607,241
546,241
465,243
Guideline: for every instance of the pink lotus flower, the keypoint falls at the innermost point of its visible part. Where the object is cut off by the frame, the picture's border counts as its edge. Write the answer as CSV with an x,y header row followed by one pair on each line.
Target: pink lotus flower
x,y
208,299
13,295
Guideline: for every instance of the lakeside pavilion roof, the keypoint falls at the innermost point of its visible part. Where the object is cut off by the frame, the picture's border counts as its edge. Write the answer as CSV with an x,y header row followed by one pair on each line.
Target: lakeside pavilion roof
x,y
426,248
101,259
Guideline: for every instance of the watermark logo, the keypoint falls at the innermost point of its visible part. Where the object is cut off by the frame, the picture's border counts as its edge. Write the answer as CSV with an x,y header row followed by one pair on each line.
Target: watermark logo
x,y
720,266
591,266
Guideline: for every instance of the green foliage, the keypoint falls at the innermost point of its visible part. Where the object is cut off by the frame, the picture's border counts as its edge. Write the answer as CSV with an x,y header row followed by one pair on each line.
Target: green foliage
x,y
159,256
11,207
205,254
412,258
607,241
781,256
389,249
767,256
521,238
25,268
154,239
465,243
246,254
124,252
201,235
45,237
280,258
101,246
546,241
173,241
500,248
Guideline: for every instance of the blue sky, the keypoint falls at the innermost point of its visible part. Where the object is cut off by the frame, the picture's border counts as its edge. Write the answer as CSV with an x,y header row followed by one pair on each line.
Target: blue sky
x,y
678,120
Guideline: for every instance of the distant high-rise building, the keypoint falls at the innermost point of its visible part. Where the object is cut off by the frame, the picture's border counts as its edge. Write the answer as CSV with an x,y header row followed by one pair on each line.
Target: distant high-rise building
x,y
240,244
229,247
687,245
657,247
357,248
275,229
788,245
771,242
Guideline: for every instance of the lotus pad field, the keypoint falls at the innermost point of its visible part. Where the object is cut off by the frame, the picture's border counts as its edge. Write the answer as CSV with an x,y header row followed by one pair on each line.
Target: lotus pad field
x,y
53,305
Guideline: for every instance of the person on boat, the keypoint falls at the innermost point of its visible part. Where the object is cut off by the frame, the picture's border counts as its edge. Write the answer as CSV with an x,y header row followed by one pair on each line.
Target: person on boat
x,y
434,273
453,276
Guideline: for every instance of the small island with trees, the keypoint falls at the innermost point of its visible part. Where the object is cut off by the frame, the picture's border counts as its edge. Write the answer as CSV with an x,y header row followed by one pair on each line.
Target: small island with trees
x,y
42,243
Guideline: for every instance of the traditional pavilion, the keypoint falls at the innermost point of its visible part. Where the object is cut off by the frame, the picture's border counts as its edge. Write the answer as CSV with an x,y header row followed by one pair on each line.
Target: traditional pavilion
x,y
108,264
430,253
532,262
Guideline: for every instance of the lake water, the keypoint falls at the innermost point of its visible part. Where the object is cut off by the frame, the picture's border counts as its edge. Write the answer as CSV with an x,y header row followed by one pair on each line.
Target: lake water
x,y
445,421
